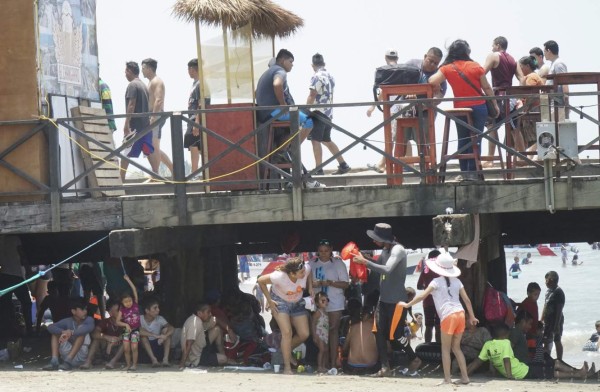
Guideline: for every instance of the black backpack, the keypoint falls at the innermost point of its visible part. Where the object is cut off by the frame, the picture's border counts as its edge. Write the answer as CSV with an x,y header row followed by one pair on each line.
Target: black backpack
x,y
395,74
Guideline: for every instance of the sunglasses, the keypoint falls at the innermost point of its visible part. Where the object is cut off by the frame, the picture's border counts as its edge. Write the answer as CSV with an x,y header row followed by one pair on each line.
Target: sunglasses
x,y
325,242
300,266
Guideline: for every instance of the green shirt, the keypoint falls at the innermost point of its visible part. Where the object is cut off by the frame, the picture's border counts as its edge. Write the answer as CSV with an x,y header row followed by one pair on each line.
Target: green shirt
x,y
496,350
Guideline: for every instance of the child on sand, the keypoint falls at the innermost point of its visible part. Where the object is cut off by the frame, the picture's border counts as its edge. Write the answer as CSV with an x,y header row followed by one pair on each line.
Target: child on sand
x,y
500,354
320,330
592,343
129,318
447,291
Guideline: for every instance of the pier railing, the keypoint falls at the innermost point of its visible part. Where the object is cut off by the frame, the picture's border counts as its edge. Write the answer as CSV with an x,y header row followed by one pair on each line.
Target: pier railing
x,y
179,184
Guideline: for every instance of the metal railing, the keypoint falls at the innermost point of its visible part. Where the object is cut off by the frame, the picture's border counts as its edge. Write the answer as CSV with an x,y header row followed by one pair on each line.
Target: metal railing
x,y
180,183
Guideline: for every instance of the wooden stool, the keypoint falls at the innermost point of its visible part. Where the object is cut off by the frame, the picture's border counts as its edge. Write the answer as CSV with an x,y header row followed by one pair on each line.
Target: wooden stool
x,y
422,148
270,138
461,112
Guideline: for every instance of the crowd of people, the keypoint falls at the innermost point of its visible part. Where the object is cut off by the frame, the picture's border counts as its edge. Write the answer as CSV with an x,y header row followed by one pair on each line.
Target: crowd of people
x,y
361,328
466,77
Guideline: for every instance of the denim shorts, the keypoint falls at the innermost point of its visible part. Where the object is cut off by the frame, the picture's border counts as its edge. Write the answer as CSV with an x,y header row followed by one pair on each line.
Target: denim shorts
x,y
293,309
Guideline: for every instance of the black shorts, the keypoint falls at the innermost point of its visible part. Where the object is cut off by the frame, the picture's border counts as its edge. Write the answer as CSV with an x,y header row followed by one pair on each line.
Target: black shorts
x,y
209,355
391,328
189,140
321,131
540,371
157,349
550,334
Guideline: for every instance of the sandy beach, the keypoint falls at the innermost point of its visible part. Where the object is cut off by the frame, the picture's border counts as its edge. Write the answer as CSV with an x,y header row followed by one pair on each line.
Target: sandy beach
x,y
174,380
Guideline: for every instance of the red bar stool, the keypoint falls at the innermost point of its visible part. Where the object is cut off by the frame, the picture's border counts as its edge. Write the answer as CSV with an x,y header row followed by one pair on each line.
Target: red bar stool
x,y
423,147
270,139
464,113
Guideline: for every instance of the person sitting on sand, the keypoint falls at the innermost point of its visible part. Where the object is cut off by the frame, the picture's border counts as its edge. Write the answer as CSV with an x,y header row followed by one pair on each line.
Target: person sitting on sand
x,y
70,337
155,333
106,337
499,352
360,346
518,340
472,342
202,340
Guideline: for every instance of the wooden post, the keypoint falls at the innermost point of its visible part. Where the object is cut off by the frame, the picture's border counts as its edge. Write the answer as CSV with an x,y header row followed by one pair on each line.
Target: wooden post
x,y
491,262
54,176
227,68
179,168
203,89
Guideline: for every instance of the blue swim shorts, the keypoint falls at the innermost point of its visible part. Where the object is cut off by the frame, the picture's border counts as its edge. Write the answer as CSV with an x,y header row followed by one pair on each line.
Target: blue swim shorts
x,y
143,145
303,120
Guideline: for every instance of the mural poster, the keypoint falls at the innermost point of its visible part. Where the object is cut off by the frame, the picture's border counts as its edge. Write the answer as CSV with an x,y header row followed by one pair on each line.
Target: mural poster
x,y
67,48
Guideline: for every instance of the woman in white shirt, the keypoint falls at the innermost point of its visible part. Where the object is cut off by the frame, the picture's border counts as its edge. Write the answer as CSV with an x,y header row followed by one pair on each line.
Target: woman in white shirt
x,y
286,304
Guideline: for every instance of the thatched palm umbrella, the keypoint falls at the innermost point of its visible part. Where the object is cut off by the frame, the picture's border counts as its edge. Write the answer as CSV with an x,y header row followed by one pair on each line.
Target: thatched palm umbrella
x,y
271,20
266,20
226,13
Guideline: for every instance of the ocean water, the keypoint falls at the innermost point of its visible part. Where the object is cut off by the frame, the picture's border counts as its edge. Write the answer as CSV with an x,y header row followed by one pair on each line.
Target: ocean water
x,y
580,283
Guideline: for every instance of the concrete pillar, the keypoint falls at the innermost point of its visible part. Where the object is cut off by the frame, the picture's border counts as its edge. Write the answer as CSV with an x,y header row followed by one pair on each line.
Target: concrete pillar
x,y
491,263
189,273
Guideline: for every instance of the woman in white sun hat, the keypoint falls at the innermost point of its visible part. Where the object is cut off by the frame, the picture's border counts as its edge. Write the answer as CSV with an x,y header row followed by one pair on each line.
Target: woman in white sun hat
x,y
447,291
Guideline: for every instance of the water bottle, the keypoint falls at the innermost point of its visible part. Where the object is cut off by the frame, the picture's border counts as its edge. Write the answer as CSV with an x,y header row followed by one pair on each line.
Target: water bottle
x,y
332,372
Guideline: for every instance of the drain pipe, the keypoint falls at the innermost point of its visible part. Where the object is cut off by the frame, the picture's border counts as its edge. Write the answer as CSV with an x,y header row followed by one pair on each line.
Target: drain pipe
x,y
549,157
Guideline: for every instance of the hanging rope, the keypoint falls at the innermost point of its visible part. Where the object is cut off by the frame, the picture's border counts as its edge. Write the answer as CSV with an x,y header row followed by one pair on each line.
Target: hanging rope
x,y
42,273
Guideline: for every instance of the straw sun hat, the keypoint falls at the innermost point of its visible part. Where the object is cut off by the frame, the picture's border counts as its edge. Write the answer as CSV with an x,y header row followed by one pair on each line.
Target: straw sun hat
x,y
443,265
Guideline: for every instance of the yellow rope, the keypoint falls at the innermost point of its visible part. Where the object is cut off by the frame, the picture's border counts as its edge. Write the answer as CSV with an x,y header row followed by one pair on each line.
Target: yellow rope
x,y
169,181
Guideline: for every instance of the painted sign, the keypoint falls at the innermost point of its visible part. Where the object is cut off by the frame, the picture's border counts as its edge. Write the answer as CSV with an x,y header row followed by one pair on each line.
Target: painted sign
x,y
68,49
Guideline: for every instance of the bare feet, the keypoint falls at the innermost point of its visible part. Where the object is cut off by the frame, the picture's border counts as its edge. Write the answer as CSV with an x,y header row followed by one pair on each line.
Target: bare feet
x,y
288,371
109,366
592,369
384,372
155,364
132,369
462,382
85,366
126,368
444,382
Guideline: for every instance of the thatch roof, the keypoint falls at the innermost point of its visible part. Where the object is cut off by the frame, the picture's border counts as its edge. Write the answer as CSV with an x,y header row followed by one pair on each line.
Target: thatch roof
x,y
272,20
228,13
266,18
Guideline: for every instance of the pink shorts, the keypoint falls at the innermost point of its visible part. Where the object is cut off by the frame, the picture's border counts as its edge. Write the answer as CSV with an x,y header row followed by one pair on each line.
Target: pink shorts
x,y
454,324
